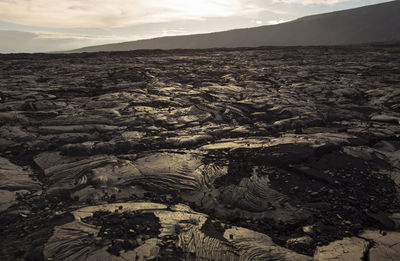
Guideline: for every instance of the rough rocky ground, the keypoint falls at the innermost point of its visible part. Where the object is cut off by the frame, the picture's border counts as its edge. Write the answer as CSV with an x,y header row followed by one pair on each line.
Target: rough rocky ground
x,y
246,154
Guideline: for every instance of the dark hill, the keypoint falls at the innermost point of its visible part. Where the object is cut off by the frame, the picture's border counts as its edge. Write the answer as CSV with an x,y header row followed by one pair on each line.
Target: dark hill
x,y
370,24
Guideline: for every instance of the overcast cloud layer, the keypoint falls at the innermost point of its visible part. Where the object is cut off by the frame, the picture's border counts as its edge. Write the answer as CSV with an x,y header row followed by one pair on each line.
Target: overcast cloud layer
x,y
116,13
49,25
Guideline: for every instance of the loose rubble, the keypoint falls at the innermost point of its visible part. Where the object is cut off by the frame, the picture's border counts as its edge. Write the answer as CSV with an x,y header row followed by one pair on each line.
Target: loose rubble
x,y
239,154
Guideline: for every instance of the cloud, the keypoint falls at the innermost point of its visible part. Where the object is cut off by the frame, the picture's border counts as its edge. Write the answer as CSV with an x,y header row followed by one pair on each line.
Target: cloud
x,y
55,35
311,2
116,13
272,22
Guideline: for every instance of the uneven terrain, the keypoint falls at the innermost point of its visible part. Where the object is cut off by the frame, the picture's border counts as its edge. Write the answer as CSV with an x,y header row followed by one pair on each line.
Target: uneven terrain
x,y
237,154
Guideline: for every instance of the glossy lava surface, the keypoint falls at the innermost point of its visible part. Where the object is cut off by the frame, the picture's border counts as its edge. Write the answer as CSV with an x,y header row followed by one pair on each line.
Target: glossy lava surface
x,y
237,154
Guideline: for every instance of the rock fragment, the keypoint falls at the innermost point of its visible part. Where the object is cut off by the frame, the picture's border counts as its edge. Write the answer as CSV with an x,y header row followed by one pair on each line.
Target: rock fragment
x,y
14,180
347,249
385,245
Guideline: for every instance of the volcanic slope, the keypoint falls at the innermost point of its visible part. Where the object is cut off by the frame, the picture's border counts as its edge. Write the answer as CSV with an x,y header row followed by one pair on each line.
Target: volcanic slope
x,y
370,24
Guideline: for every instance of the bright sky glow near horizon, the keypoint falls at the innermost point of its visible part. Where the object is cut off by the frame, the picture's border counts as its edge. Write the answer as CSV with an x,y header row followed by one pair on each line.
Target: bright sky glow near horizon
x,y
48,25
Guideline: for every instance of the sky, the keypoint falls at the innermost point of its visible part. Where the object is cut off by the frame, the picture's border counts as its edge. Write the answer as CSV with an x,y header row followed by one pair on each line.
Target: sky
x,y
53,25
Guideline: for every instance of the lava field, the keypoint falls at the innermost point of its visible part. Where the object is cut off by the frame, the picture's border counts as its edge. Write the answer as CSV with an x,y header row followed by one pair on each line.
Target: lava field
x,y
222,154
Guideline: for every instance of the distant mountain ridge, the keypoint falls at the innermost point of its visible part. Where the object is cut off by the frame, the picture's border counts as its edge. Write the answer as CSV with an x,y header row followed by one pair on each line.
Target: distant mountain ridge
x,y
369,24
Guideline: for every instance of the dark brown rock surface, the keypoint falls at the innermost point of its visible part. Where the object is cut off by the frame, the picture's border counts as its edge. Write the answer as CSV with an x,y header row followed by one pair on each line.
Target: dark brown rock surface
x,y
264,153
